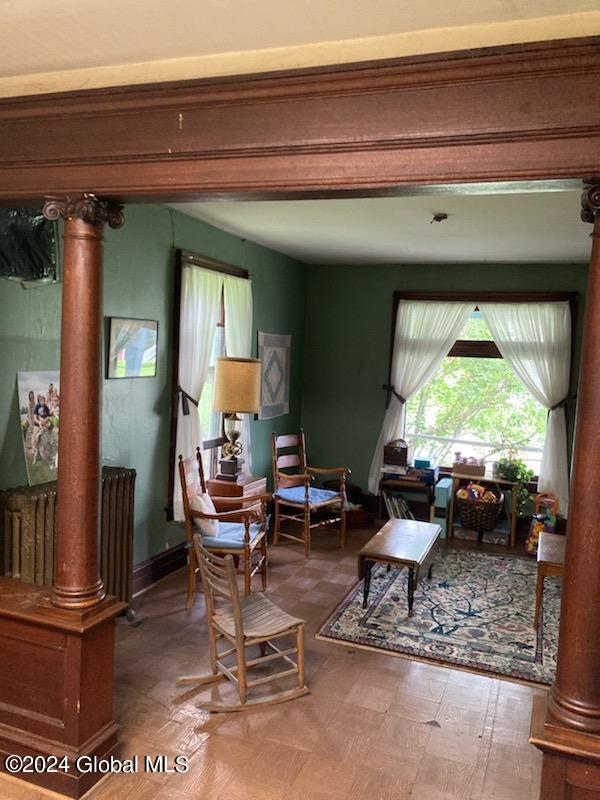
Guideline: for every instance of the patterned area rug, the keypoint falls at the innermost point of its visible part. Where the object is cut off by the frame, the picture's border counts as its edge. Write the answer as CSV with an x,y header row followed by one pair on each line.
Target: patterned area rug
x,y
475,612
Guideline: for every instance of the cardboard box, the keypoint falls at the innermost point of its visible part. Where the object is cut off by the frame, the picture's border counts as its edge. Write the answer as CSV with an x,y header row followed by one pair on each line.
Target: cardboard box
x,y
472,470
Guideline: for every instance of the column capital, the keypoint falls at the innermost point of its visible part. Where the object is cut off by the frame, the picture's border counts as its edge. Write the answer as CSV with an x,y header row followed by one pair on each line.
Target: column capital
x,y
87,207
590,203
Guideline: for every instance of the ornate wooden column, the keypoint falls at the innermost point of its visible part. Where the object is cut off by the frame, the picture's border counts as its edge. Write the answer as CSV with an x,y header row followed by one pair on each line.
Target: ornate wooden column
x,y
57,648
77,582
567,727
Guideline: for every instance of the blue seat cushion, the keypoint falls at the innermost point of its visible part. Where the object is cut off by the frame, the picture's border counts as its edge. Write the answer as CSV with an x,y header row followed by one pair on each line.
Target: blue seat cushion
x,y
231,535
296,494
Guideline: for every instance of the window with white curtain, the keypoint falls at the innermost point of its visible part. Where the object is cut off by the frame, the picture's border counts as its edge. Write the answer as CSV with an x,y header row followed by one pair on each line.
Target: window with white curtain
x,y
476,404
491,407
213,305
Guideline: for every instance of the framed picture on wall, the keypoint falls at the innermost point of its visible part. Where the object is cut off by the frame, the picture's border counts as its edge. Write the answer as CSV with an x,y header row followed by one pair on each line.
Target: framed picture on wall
x,y
132,348
274,352
39,412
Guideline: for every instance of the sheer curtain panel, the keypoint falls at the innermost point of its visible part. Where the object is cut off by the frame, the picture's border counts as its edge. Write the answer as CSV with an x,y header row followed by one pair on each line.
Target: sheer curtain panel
x,y
201,292
535,339
425,332
238,339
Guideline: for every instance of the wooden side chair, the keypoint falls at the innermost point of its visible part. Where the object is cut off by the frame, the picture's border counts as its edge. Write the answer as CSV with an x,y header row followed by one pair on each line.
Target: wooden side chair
x,y
243,623
242,531
550,561
293,491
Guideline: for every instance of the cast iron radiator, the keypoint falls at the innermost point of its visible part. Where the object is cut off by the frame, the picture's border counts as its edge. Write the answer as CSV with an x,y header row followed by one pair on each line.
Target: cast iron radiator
x,y
28,528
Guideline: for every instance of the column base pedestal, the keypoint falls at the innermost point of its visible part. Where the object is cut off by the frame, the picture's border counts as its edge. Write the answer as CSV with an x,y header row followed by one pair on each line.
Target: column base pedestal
x,y
571,766
57,686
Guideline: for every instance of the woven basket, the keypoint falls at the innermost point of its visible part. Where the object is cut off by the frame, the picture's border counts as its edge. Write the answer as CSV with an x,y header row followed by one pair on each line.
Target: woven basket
x,y
476,515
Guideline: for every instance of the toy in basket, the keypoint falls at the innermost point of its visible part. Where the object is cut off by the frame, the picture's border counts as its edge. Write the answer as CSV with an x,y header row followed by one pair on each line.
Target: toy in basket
x,y
479,508
544,519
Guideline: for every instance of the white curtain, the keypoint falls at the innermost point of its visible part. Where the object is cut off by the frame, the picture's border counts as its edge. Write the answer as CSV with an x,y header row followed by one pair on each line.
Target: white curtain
x,y
425,332
201,292
535,339
238,340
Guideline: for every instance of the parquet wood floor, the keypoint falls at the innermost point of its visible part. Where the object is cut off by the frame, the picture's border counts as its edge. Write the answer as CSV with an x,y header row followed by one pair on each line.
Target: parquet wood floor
x,y
374,726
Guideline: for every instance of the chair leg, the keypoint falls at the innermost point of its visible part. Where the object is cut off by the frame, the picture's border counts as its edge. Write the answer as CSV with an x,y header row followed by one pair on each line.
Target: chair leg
x,y
241,672
247,571
300,655
264,566
276,523
191,590
212,645
343,528
306,531
539,595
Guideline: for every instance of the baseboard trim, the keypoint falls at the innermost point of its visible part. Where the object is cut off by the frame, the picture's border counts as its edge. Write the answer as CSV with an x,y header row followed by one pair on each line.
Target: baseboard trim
x,y
158,566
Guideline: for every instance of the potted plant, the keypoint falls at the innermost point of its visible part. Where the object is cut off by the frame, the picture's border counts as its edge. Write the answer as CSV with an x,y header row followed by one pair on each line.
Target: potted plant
x,y
515,470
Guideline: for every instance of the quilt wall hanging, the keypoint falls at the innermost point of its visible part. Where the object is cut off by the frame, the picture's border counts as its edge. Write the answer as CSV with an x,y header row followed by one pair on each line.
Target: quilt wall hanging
x,y
274,352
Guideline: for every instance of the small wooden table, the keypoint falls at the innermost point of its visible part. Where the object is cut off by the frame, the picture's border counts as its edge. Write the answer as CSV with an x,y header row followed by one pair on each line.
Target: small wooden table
x,y
550,561
245,486
405,542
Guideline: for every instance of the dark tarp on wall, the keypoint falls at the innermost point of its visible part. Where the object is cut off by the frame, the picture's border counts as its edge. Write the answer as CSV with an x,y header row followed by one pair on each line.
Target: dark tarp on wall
x,y
27,245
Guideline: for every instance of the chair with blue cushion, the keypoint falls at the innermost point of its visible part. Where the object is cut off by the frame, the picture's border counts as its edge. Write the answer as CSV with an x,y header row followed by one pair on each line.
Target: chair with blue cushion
x,y
294,498
241,531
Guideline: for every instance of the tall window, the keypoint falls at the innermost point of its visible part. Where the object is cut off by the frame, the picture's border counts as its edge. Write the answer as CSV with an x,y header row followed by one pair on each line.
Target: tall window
x,y
476,404
202,298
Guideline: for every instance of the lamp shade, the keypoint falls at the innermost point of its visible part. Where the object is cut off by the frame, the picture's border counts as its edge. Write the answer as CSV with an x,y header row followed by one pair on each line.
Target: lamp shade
x,y
237,385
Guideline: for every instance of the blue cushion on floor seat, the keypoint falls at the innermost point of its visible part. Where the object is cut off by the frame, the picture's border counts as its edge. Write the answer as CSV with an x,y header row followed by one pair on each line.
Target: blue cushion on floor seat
x,y
296,494
231,535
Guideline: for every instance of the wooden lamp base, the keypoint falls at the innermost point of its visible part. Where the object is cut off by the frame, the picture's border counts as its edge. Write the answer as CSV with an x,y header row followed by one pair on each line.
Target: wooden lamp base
x,y
230,468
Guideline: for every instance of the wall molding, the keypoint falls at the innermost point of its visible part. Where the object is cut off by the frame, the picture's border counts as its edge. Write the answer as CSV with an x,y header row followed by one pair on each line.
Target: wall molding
x,y
158,566
520,112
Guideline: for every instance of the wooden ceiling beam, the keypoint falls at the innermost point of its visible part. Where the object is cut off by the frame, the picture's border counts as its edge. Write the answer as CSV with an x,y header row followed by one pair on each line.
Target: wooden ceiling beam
x,y
520,113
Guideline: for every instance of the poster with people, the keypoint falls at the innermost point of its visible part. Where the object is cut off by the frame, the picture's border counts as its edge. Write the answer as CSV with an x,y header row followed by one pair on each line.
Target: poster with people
x,y
39,411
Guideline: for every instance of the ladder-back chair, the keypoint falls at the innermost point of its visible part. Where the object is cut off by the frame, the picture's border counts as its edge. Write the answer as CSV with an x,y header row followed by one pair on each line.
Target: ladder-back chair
x,y
242,623
292,480
242,530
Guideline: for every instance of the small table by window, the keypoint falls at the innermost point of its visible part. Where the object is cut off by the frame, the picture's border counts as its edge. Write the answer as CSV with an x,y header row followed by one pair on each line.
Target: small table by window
x,y
483,480
245,486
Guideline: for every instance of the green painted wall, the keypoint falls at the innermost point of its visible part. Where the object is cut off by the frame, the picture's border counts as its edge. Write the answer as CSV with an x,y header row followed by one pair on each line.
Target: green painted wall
x,y
139,269
348,331
338,366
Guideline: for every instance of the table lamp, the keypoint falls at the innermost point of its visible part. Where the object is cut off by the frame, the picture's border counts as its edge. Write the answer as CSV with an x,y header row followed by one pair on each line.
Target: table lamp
x,y
237,391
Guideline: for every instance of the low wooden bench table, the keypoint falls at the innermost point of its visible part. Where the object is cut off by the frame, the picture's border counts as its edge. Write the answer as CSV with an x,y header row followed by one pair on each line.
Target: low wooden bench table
x,y
405,542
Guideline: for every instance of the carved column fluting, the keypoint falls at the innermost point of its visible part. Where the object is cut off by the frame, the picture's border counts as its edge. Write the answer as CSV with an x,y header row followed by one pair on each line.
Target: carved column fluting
x,y
575,695
77,582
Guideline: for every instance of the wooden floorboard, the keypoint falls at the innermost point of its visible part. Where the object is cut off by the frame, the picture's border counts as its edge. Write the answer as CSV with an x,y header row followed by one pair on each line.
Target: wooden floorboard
x,y
374,726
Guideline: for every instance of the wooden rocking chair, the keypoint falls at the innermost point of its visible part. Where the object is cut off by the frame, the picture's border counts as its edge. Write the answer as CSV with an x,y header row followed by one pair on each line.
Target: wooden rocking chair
x,y
243,530
243,623
293,490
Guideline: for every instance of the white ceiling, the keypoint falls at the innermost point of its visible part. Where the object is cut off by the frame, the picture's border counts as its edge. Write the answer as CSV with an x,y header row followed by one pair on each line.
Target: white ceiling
x,y
73,44
514,227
